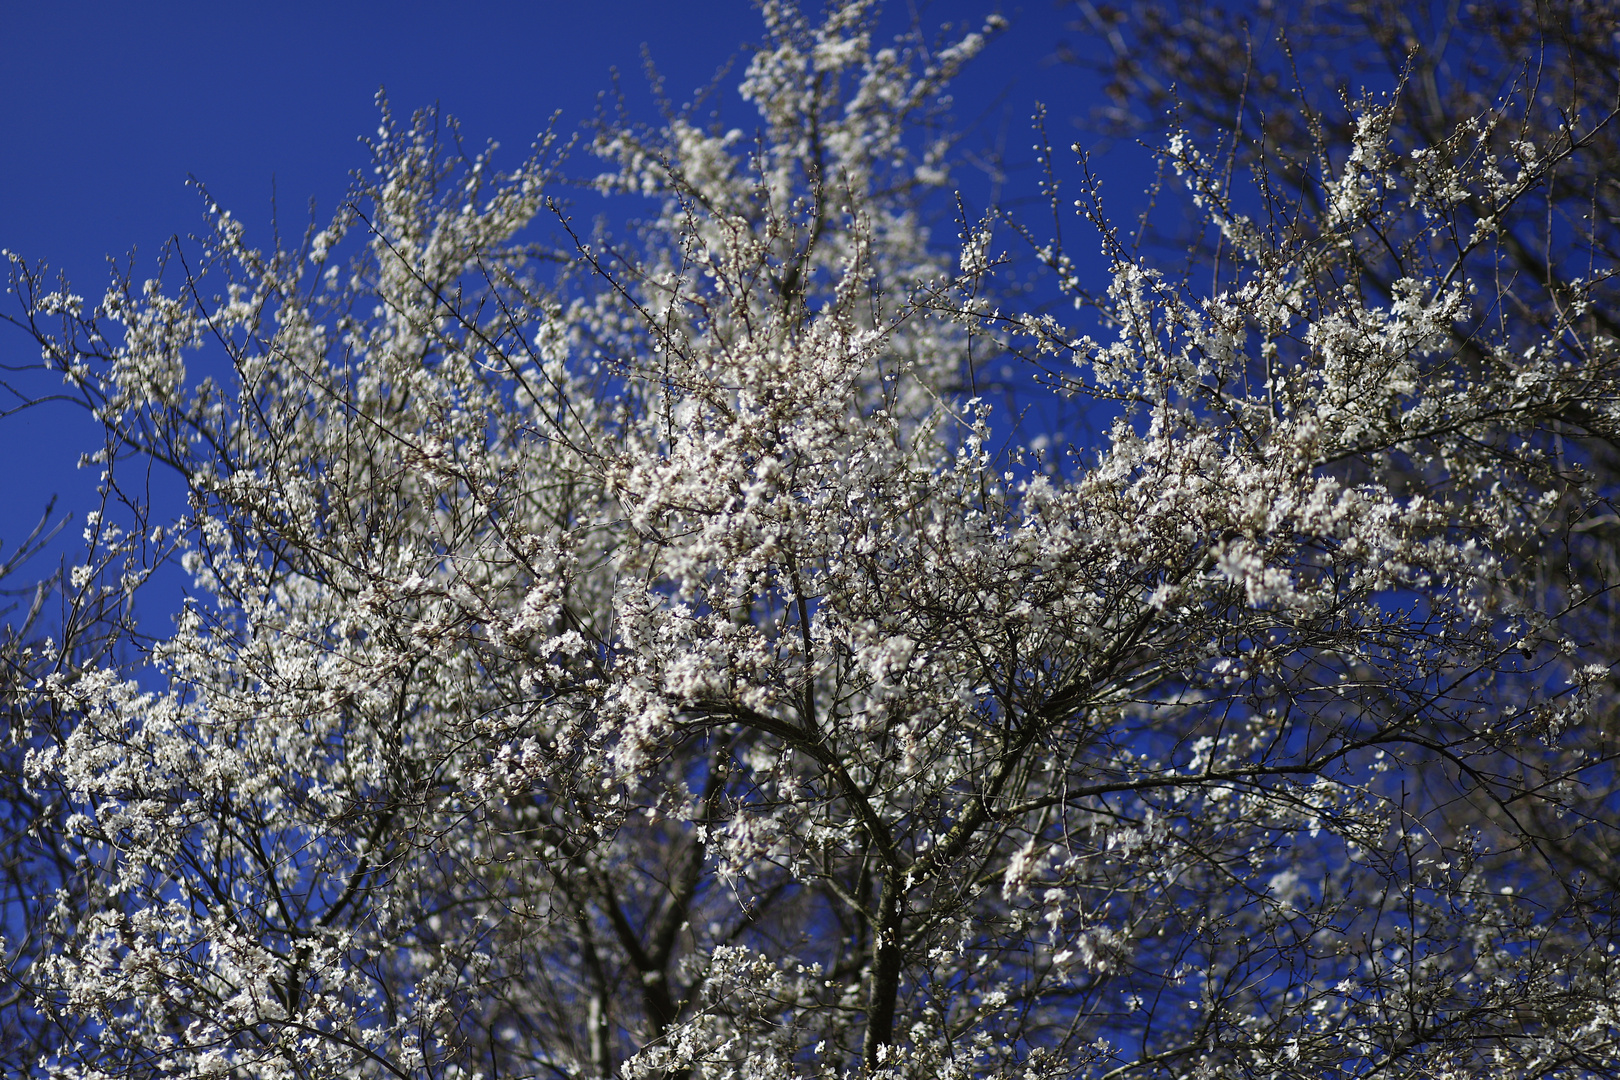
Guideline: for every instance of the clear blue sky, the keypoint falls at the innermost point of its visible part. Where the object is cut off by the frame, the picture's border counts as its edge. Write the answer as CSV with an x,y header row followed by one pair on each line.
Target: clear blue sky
x,y
112,105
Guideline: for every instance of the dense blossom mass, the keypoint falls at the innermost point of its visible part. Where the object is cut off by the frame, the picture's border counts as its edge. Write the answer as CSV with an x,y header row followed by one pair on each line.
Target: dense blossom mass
x,y
647,655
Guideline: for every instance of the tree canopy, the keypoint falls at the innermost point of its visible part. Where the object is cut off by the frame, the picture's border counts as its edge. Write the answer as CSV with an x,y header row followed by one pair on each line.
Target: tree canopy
x,y
651,654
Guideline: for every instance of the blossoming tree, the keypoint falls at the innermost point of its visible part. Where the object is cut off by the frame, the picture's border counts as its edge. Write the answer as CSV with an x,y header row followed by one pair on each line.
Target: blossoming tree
x,y
662,667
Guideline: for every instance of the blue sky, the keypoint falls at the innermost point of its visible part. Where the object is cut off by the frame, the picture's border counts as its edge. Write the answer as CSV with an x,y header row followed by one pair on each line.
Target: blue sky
x,y
111,106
